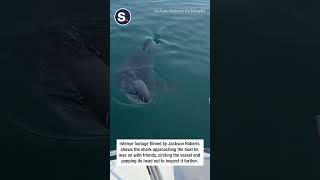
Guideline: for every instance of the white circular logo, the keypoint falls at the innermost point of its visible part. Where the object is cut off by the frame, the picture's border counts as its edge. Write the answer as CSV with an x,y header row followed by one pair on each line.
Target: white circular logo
x,y
122,16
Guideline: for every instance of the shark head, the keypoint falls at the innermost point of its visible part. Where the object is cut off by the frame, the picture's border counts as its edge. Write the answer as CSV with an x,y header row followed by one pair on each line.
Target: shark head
x,y
139,92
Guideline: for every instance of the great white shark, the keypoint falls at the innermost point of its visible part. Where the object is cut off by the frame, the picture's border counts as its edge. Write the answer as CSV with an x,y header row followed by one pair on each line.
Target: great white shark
x,y
137,75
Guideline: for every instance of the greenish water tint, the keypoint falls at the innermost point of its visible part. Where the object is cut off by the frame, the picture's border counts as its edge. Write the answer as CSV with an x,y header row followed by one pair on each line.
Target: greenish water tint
x,y
181,60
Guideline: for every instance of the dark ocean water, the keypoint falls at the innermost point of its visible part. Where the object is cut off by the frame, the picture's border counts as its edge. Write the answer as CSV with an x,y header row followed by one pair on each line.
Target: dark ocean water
x,y
181,60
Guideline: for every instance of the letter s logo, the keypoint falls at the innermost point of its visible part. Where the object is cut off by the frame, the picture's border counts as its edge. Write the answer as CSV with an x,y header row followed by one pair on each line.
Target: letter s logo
x,y
122,16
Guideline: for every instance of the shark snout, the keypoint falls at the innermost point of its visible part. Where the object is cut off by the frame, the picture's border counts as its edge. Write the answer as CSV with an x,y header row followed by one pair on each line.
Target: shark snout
x,y
141,90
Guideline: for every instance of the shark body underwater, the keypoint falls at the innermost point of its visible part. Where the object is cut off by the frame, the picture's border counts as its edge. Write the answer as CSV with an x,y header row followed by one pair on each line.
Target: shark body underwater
x,y
137,77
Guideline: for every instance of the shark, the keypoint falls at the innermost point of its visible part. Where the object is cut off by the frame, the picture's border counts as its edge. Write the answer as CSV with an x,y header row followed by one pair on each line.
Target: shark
x,y
138,78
